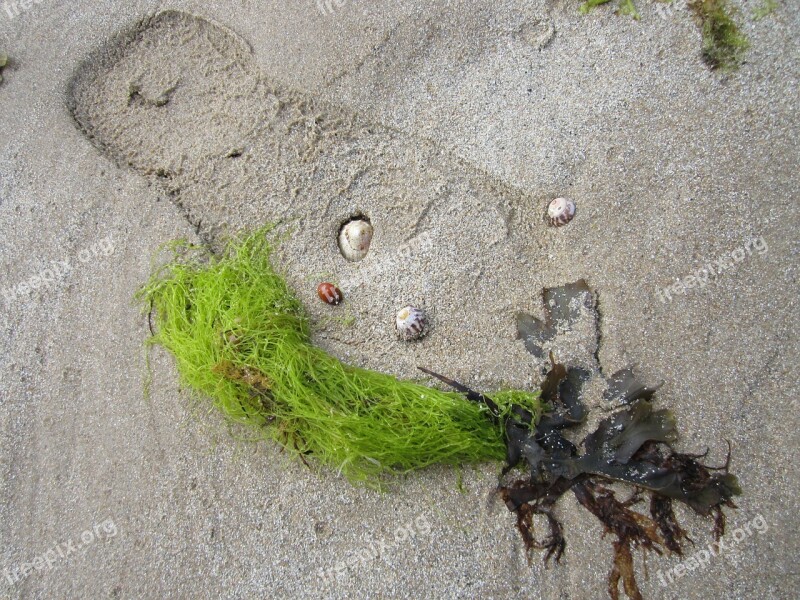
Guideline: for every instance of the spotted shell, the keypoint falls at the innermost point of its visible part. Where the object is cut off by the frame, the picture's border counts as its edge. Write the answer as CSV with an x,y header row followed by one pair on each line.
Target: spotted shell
x,y
560,211
354,239
329,293
411,323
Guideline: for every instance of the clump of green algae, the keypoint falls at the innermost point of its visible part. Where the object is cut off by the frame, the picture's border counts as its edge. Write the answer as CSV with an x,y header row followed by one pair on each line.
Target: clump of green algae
x,y
724,44
624,7
766,9
241,337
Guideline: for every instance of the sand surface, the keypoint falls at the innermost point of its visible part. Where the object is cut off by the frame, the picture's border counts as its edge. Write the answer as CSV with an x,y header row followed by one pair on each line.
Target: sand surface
x,y
450,125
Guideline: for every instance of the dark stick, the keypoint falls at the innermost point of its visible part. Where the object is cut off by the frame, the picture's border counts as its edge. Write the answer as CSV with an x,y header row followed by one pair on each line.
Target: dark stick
x,y
470,394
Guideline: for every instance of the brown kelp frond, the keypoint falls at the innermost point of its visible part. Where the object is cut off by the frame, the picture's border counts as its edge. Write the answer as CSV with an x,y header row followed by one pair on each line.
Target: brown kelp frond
x,y
630,527
663,515
562,307
623,570
528,500
553,545
633,446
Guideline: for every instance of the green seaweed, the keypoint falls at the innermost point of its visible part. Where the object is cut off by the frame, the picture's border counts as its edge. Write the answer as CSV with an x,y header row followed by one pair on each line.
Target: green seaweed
x,y
724,45
766,9
240,336
624,7
3,63
627,7
590,4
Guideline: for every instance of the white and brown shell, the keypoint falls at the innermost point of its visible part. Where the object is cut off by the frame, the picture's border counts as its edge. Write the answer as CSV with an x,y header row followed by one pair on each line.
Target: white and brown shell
x,y
355,236
411,323
560,211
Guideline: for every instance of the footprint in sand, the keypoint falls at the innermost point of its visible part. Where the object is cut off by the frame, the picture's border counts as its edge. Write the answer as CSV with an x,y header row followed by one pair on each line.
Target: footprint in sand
x,y
181,101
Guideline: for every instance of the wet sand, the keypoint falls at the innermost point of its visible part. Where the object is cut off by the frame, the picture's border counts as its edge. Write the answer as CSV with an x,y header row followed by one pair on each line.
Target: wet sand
x,y
451,128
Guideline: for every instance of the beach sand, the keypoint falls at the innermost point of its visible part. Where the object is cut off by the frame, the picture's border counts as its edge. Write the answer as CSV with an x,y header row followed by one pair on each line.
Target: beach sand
x,y
451,126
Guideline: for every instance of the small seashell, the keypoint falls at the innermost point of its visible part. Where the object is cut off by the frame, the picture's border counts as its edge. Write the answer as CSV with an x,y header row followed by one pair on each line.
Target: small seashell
x,y
560,211
355,238
410,323
329,293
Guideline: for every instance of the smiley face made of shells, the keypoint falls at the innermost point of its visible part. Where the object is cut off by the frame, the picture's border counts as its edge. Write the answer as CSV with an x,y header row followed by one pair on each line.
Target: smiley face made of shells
x,y
411,323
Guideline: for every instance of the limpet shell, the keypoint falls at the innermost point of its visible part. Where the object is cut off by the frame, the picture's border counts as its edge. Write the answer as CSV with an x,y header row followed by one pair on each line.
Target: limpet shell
x,y
355,237
329,293
411,323
560,211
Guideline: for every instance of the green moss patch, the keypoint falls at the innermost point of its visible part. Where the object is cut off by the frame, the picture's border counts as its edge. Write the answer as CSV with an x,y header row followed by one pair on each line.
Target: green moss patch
x,y
724,45
587,6
766,9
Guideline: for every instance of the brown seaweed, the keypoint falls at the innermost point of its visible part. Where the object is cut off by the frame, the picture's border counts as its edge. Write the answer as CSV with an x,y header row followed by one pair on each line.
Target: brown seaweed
x,y
248,376
624,388
631,446
561,309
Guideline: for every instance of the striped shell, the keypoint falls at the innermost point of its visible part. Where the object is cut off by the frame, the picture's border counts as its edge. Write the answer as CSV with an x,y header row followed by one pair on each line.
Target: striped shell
x,y
329,293
355,238
560,211
411,323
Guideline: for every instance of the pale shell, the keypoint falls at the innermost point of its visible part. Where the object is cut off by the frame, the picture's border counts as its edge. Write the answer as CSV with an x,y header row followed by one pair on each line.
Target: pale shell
x,y
355,238
560,211
411,323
